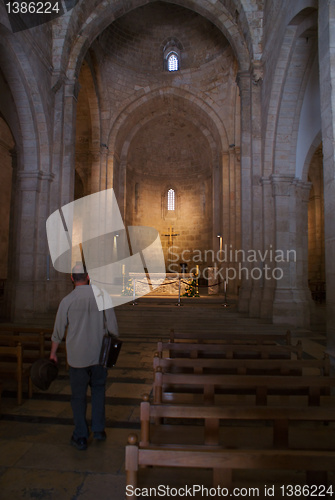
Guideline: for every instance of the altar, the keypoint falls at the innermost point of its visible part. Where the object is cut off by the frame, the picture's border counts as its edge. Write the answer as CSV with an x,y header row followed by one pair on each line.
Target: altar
x,y
167,284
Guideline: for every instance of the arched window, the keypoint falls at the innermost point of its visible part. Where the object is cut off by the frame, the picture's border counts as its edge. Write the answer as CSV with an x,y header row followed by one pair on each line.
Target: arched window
x,y
171,199
173,62
172,51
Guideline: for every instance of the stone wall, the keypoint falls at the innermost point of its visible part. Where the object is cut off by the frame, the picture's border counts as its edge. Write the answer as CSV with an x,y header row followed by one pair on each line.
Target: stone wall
x,y
90,105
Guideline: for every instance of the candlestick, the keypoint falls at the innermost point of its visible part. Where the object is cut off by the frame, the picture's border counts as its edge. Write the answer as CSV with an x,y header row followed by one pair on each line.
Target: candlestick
x,y
48,267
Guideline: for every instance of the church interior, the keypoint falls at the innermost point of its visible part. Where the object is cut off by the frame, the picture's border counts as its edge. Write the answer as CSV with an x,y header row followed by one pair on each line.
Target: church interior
x,y
212,123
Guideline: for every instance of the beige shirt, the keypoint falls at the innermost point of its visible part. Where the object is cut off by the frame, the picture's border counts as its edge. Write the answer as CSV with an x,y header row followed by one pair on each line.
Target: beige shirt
x,y
79,313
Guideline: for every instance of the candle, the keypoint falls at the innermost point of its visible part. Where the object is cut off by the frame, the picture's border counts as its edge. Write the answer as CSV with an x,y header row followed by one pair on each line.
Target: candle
x,y
48,267
123,269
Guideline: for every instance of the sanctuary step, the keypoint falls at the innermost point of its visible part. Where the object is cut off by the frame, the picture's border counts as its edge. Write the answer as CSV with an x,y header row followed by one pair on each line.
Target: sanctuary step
x,y
156,319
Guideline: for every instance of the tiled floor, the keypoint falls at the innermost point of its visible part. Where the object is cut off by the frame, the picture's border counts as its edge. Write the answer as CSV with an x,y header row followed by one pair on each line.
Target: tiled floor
x,y
36,459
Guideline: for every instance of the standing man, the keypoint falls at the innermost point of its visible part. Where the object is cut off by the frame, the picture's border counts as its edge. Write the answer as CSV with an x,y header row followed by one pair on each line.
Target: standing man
x,y
79,314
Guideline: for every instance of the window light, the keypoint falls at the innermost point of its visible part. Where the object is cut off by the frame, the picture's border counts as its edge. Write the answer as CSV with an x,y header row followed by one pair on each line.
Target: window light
x,y
173,63
171,199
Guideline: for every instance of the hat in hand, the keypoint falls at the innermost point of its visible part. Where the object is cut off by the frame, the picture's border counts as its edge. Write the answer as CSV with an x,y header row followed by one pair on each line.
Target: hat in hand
x,y
43,372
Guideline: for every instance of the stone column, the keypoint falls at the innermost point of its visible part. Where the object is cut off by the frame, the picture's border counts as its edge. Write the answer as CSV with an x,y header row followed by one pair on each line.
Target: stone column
x,y
95,157
67,167
221,220
30,276
62,185
243,81
289,267
327,94
256,187
303,294
268,290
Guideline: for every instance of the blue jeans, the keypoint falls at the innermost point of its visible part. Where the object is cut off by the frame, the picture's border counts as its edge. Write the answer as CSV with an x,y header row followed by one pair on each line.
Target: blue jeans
x,y
80,378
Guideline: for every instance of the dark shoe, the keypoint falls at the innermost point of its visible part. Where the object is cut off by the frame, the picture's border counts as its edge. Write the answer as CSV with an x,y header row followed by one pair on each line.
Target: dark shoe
x,y
100,436
79,443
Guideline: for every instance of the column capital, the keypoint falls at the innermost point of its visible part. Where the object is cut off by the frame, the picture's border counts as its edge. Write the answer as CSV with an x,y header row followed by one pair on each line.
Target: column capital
x,y
257,72
243,81
303,189
30,180
281,184
71,88
265,181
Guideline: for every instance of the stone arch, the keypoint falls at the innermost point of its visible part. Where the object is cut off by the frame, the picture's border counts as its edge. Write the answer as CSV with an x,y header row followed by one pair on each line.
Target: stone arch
x,y
192,101
80,37
280,93
88,129
32,134
293,91
288,205
155,107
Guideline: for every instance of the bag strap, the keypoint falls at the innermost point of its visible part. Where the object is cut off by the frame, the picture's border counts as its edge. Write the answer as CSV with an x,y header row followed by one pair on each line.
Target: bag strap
x,y
105,322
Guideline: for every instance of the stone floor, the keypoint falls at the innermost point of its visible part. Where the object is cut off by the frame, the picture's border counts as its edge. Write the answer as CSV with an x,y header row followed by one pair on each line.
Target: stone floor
x,y
36,459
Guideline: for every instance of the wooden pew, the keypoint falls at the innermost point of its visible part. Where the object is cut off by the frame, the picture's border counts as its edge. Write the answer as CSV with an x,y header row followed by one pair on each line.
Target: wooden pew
x,y
32,343
173,387
15,368
24,329
154,450
212,416
223,461
243,366
197,350
231,337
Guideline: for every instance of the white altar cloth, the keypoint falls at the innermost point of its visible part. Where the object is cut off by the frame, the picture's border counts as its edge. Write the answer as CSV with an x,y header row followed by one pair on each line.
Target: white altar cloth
x,y
168,283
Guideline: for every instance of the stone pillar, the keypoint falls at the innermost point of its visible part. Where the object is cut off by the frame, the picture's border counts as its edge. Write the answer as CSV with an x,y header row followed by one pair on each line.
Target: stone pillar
x,y
243,81
102,167
290,267
95,157
30,277
256,187
327,94
67,167
268,290
221,219
302,190
62,185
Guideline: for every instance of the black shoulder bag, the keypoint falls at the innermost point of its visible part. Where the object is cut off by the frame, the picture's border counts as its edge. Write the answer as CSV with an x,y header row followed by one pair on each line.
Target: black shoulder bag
x,y
110,348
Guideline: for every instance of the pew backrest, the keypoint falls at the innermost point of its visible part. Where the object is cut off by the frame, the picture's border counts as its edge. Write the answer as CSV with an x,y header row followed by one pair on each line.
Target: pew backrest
x,y
244,366
259,385
195,350
231,336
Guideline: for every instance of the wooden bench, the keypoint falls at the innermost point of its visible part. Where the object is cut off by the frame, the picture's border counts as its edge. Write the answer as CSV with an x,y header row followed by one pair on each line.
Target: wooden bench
x,y
231,337
15,368
212,416
32,343
173,387
224,461
197,350
24,329
243,366
154,450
